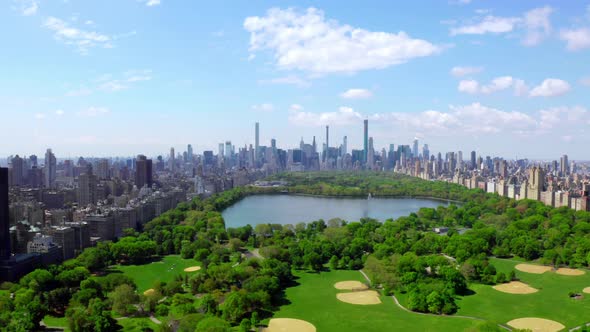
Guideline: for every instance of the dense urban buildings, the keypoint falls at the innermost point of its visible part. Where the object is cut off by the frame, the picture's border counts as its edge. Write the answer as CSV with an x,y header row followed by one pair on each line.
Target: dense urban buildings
x,y
62,206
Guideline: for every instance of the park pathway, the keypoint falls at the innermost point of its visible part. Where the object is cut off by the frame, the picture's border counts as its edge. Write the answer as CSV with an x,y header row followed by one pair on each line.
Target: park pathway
x,y
396,301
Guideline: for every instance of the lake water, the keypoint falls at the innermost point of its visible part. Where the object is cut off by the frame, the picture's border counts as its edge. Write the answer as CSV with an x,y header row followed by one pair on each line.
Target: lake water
x,y
290,209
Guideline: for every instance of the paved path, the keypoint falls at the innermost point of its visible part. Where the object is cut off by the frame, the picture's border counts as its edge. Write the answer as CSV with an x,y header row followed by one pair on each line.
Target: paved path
x,y
427,314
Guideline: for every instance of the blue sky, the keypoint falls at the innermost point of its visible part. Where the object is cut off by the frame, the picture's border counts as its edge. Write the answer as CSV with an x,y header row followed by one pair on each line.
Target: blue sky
x,y
123,77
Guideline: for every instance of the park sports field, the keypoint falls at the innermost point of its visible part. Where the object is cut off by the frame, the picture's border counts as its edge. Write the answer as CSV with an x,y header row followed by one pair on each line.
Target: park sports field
x,y
550,301
315,301
162,270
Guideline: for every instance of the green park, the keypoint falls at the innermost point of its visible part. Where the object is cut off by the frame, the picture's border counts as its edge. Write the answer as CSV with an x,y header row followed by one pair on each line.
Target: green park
x,y
500,265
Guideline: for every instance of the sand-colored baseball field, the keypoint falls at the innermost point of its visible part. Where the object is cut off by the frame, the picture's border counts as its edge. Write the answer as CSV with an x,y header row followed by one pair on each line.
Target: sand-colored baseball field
x,y
569,272
192,269
289,325
515,287
531,268
149,292
586,290
363,297
350,285
536,324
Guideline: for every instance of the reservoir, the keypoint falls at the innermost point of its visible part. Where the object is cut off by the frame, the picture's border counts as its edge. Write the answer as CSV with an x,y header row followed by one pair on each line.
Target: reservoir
x,y
292,209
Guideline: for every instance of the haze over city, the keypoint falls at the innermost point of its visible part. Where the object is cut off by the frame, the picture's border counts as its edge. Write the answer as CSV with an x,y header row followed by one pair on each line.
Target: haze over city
x,y
118,78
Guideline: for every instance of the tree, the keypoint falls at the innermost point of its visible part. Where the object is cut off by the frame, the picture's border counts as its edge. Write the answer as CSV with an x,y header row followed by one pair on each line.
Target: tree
x,y
123,298
213,324
435,302
245,325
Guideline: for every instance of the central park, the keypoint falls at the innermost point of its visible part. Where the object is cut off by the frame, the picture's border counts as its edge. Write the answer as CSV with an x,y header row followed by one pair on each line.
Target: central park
x,y
415,256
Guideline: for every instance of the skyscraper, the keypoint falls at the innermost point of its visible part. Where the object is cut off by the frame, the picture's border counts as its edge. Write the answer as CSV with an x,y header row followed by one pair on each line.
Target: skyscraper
x,y
473,161
172,161
143,172
327,143
50,169
87,188
189,153
344,146
366,141
257,142
564,166
4,226
415,148
17,171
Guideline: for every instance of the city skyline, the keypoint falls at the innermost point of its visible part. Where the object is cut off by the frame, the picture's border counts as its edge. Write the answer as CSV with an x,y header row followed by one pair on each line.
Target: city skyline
x,y
508,80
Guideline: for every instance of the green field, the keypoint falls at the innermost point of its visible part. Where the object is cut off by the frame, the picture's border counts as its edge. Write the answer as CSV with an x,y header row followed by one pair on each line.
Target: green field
x,y
52,321
550,302
314,300
136,324
163,270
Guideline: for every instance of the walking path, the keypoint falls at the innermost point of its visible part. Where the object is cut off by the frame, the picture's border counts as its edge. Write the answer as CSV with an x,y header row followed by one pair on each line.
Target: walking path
x,y
426,314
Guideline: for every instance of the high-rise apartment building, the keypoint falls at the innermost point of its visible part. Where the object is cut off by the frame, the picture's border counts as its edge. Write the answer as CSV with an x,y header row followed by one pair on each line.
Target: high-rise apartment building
x,y
87,183
172,161
366,141
256,142
50,169
143,172
4,223
415,152
564,166
17,171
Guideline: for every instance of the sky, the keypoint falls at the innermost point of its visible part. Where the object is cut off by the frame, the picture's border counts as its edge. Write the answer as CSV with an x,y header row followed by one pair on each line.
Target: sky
x,y
124,77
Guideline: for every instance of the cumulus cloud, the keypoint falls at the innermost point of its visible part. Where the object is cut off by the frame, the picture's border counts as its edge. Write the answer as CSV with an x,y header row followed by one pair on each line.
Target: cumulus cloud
x,y
308,41
550,87
489,24
59,112
459,71
150,3
497,84
576,39
287,80
125,82
83,40
469,120
356,94
265,107
344,116
535,25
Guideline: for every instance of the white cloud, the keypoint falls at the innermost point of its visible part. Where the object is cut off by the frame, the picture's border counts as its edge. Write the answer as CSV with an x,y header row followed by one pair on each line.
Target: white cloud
x,y
150,3
356,94
287,80
535,25
30,8
113,86
59,112
459,2
344,116
550,87
489,24
83,40
39,116
459,71
497,84
309,42
295,107
585,81
576,39
265,107
94,112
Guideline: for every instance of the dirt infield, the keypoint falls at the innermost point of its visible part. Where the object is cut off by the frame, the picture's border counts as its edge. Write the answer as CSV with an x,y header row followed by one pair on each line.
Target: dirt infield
x,y
530,268
149,292
289,325
363,298
515,287
192,269
350,285
569,272
536,324
586,290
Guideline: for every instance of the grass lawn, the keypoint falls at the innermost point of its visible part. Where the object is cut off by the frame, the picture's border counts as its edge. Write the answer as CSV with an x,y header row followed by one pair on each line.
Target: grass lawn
x,y
163,270
314,300
550,302
136,324
52,321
